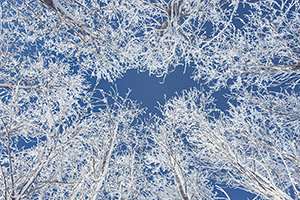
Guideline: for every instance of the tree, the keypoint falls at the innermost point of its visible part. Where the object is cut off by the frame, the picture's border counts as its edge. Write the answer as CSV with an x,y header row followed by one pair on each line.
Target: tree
x,y
255,144
266,142
143,35
80,32
38,97
53,150
175,163
261,45
102,160
173,33
46,106
63,137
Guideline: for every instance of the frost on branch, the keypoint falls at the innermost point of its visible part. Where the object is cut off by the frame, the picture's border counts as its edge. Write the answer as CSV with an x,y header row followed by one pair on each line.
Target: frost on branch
x,y
260,46
60,140
262,131
221,39
105,159
178,170
253,146
168,34
58,147
88,34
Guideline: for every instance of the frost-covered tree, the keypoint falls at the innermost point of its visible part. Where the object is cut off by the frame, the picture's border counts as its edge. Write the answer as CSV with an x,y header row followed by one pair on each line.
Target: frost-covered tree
x,y
87,33
261,45
47,107
176,165
54,145
40,93
61,137
253,146
219,38
109,37
173,33
262,132
104,161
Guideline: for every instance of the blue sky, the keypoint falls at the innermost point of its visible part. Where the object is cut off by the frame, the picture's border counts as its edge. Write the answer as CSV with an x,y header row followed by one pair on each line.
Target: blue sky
x,y
151,90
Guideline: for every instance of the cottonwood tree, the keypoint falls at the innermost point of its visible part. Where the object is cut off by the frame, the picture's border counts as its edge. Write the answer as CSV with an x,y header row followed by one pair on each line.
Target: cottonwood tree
x,y
253,146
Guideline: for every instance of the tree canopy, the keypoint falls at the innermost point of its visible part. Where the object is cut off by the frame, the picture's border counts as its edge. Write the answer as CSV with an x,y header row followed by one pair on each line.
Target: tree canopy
x,y
63,136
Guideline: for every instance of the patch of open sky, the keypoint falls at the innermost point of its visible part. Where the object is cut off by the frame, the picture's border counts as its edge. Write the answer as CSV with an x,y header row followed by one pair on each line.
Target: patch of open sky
x,y
151,91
